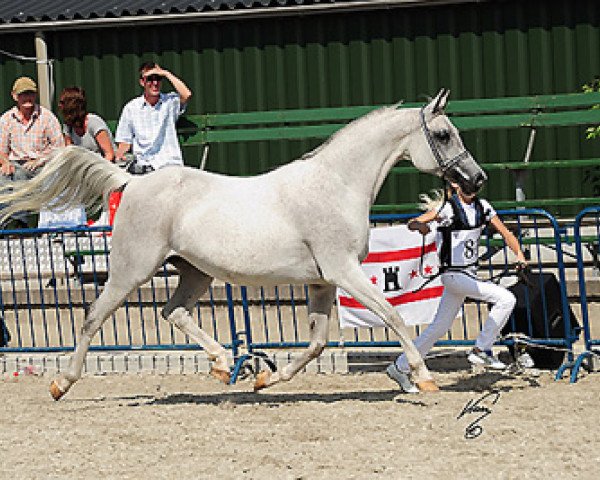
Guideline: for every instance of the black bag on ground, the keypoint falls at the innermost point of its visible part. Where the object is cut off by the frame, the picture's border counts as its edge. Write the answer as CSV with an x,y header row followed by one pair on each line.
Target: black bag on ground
x,y
4,334
539,301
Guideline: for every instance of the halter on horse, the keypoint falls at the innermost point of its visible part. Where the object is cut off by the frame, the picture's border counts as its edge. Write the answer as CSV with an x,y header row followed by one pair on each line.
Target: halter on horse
x,y
456,169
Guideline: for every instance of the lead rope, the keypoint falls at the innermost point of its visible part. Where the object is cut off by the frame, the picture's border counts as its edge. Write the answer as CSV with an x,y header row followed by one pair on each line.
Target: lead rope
x,y
522,273
428,278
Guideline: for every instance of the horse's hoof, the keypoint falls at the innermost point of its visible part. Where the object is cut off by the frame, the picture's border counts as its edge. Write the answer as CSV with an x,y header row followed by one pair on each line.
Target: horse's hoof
x,y
55,391
262,380
428,386
221,375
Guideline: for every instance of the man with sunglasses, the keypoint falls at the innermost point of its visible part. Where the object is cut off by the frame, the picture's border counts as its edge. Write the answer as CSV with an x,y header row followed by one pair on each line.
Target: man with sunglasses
x,y
147,123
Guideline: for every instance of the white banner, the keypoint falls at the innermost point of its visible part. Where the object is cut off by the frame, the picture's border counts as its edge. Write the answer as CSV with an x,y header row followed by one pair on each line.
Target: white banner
x,y
394,265
72,217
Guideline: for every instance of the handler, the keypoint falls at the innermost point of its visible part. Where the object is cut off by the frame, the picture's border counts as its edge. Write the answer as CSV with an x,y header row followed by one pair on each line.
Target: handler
x,y
461,221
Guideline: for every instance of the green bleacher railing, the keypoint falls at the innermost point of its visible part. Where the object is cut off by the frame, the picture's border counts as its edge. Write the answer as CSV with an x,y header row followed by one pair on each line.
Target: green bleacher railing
x,y
468,115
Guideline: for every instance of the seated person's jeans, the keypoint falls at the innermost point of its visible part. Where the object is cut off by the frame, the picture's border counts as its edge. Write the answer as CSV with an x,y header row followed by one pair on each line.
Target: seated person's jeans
x,y
20,174
136,168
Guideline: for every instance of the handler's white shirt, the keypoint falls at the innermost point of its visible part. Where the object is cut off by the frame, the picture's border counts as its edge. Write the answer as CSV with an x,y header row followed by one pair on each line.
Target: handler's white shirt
x,y
465,243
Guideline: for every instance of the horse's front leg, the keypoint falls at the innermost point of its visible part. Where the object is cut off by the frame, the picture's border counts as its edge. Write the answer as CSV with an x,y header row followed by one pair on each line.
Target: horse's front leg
x,y
183,320
356,284
320,301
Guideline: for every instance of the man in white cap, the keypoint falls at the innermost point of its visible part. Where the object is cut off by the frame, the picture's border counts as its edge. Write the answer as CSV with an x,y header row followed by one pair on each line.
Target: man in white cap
x,y
28,133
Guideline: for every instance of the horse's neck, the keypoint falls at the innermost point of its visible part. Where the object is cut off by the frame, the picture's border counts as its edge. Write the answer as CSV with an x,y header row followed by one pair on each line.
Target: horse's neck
x,y
363,156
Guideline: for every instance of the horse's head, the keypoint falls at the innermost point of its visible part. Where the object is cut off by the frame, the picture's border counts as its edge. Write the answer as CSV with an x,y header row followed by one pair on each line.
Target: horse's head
x,y
436,147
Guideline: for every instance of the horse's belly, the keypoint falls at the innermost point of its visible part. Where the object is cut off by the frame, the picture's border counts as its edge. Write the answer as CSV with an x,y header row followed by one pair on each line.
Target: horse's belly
x,y
266,280
262,277
258,268
244,242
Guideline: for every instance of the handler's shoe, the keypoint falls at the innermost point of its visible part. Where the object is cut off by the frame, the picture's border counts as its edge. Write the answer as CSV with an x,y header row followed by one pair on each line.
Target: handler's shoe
x,y
486,359
401,378
525,361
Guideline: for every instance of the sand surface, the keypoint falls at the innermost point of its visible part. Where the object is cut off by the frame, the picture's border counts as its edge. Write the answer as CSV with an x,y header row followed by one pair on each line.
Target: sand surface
x,y
314,427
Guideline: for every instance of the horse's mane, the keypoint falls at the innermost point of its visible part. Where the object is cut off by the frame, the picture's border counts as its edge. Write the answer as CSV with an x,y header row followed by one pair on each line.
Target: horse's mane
x,y
432,200
348,128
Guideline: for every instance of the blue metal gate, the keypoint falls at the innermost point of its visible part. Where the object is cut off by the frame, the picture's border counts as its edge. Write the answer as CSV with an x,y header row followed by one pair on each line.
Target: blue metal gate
x,y
539,235
587,239
49,277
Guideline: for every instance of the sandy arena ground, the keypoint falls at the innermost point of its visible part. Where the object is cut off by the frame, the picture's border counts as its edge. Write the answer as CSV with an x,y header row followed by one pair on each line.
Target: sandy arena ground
x,y
315,427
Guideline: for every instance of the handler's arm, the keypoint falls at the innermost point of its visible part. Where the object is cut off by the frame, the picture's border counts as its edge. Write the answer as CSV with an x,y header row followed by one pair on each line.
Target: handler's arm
x,y
509,238
420,223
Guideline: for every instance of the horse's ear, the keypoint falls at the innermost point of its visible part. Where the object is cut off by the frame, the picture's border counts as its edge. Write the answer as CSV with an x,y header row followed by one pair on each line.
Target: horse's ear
x,y
438,104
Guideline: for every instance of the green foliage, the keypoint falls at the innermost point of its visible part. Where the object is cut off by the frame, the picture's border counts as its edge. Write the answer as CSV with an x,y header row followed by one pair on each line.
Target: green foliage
x,y
594,86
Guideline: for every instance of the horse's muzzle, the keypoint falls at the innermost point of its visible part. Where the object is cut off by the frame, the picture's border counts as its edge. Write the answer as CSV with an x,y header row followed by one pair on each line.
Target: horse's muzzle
x,y
470,178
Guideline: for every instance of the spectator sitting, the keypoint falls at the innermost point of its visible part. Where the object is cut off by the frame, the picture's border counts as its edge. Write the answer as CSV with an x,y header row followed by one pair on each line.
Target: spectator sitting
x,y
28,133
148,122
84,129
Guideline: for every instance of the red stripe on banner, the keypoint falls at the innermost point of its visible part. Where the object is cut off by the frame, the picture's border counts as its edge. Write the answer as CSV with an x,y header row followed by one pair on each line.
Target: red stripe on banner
x,y
425,294
398,255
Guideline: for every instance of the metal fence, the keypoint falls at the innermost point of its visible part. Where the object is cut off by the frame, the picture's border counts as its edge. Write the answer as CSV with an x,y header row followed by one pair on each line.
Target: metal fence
x,y
540,236
49,277
586,233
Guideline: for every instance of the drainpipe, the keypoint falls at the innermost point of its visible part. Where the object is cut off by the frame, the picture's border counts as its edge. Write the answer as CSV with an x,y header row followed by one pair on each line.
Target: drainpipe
x,y
43,71
521,174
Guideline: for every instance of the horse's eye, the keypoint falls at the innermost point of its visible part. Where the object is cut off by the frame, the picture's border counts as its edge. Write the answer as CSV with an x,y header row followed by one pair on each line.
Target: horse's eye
x,y
443,136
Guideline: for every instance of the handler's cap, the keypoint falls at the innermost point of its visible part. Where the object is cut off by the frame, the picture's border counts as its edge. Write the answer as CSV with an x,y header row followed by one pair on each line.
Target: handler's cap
x,y
24,84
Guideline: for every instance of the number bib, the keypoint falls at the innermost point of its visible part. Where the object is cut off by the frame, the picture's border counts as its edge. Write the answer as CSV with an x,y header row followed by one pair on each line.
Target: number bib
x,y
464,245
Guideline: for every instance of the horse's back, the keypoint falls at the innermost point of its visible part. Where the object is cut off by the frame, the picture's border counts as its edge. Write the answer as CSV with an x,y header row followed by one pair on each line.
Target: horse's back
x,y
230,227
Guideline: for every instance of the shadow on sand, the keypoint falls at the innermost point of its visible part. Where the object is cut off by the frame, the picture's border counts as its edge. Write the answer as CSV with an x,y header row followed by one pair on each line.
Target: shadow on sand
x,y
486,381
277,399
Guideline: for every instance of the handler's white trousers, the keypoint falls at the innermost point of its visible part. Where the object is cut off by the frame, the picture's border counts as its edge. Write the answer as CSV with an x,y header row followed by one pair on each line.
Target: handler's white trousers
x,y
458,286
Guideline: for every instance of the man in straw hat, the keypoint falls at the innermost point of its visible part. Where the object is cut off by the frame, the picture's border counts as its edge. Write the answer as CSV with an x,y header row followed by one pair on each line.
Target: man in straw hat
x,y
28,132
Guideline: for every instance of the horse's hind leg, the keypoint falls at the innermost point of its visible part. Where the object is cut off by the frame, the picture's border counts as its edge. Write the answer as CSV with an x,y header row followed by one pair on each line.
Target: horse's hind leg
x,y
108,301
129,269
320,301
192,284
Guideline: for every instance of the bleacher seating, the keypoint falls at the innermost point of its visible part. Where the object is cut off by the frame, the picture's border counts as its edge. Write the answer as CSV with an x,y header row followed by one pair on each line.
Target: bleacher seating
x,y
535,112
52,255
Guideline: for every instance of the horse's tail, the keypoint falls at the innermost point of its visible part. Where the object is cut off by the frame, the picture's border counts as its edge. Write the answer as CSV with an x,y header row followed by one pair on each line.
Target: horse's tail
x,y
73,176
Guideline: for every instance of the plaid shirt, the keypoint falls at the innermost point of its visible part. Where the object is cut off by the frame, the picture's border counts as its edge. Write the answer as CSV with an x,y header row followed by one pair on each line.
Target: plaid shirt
x,y
34,140
151,130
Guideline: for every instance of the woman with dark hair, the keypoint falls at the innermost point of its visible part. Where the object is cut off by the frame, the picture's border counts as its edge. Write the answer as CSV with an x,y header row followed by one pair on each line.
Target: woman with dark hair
x,y
85,129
